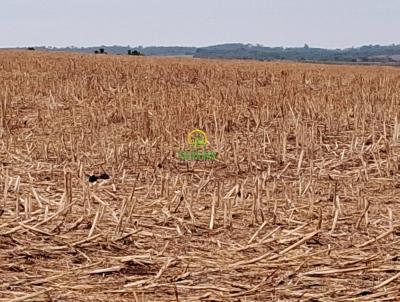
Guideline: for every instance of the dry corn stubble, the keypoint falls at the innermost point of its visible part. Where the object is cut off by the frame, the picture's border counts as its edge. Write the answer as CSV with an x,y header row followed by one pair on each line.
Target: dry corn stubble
x,y
301,204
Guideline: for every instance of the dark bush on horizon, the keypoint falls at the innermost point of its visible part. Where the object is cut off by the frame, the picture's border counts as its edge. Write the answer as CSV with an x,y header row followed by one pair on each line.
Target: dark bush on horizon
x,y
134,53
100,51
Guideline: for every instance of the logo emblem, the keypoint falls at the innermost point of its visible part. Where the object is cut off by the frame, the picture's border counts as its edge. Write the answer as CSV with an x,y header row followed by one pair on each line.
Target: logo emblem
x,y
197,138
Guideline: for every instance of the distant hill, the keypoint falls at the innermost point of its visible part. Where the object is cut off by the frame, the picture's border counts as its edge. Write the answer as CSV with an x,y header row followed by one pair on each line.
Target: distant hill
x,y
363,54
371,53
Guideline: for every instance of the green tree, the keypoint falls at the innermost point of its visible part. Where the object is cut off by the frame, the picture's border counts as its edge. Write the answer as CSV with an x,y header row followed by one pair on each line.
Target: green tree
x,y
136,53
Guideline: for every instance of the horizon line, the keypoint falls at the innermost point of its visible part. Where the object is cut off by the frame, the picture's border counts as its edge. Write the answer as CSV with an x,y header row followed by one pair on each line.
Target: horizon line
x,y
192,46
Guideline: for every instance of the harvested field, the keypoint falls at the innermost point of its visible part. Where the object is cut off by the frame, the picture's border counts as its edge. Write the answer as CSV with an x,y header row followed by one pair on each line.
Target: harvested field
x,y
302,203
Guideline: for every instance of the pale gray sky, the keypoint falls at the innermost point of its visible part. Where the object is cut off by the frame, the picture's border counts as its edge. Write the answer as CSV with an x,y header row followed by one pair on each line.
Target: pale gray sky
x,y
320,23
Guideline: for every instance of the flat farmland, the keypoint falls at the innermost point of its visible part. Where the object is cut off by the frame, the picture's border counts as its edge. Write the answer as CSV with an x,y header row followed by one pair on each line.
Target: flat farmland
x,y
302,202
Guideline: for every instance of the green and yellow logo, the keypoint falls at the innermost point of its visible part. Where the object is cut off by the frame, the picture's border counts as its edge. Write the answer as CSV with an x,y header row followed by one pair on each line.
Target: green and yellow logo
x,y
197,138
197,141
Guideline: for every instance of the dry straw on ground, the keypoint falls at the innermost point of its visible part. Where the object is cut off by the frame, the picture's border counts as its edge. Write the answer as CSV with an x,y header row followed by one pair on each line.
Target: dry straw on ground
x,y
301,205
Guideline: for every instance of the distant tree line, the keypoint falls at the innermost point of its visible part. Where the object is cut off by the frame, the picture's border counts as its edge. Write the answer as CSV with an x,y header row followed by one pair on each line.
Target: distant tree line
x,y
130,52
368,53
371,53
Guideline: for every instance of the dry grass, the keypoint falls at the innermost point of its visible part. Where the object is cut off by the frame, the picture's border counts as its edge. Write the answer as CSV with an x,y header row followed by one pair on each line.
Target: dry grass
x,y
301,205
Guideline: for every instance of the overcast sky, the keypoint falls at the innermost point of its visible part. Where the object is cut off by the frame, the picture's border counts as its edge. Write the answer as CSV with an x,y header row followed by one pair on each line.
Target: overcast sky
x,y
319,23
